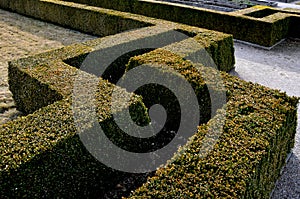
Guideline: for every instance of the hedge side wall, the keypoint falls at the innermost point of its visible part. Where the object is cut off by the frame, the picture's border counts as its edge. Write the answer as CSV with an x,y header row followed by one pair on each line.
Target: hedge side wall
x,y
42,152
254,29
44,78
95,21
43,168
265,31
42,155
47,78
246,161
258,31
252,139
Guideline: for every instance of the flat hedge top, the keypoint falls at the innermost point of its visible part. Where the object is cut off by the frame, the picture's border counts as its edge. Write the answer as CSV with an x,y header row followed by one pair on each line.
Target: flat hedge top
x,y
50,69
161,57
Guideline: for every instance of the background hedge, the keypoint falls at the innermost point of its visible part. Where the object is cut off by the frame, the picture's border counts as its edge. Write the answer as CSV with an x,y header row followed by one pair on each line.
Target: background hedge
x,y
252,28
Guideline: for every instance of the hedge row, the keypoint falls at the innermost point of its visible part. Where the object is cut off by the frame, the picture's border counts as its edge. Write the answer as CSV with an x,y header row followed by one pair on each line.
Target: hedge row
x,y
42,155
47,77
41,159
247,159
265,31
103,22
40,80
97,21
252,28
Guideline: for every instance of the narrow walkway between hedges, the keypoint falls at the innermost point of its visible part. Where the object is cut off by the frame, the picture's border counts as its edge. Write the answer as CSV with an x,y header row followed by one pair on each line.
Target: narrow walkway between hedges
x,y
278,68
21,37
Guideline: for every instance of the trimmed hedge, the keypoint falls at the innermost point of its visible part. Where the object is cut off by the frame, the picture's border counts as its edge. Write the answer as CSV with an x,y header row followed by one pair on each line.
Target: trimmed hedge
x,y
97,21
258,31
265,32
31,168
47,77
42,155
167,58
246,161
103,22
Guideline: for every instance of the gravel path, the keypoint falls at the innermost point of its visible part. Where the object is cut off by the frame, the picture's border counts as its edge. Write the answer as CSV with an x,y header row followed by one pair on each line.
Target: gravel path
x,y
278,68
20,37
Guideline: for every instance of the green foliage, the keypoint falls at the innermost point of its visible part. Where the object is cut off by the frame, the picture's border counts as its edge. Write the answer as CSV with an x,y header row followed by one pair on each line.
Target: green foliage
x,y
262,31
42,156
45,78
48,77
246,161
92,20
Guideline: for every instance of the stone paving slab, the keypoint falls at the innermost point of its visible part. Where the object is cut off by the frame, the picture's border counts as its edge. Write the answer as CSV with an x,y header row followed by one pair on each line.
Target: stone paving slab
x,y
20,37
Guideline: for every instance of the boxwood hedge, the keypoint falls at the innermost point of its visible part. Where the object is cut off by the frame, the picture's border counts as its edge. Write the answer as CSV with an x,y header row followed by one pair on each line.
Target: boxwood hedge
x,y
48,77
246,161
42,155
261,25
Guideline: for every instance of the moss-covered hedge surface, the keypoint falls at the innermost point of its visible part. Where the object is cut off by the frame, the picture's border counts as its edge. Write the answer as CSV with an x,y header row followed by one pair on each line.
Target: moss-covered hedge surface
x,y
97,21
260,25
257,135
42,155
48,77
244,25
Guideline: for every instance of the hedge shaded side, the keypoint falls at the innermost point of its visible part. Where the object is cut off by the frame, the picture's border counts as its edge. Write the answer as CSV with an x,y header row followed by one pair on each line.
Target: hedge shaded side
x,y
163,60
48,77
219,46
31,79
95,21
251,27
221,50
294,30
42,155
40,94
246,161
281,26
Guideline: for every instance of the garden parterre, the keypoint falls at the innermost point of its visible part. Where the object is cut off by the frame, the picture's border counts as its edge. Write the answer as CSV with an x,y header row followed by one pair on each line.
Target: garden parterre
x,y
259,128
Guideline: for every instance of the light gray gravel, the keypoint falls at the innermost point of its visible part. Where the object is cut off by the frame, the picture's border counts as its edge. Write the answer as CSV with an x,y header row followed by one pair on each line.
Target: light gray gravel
x,y
278,68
